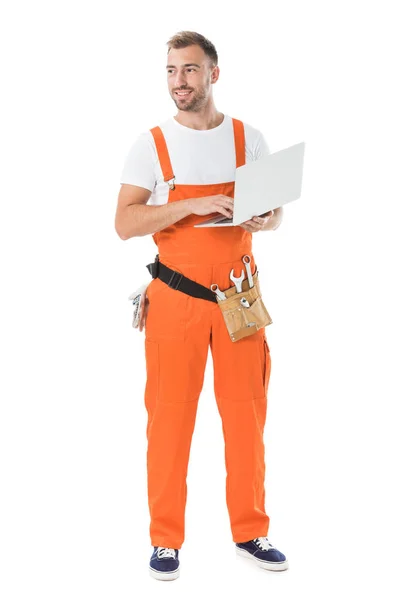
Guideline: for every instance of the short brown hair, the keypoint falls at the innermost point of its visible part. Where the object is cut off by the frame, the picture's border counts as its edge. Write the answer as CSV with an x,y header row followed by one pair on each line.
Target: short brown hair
x,y
190,38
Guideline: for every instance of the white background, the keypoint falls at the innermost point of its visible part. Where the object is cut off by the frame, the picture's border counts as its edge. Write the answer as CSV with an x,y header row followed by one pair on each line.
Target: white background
x,y
80,81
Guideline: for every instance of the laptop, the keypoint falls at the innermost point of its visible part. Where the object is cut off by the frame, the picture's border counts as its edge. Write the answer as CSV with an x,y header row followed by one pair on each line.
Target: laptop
x,y
263,185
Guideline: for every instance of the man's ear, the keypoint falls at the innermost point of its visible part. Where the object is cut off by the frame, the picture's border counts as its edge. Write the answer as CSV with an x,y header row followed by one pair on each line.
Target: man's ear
x,y
215,74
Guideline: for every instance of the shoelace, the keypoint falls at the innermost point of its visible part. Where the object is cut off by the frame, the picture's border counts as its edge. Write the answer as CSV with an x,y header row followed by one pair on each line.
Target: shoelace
x,y
165,552
263,543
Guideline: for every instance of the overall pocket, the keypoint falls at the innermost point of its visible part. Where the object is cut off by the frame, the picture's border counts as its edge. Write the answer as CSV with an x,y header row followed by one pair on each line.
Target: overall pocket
x,y
167,312
267,366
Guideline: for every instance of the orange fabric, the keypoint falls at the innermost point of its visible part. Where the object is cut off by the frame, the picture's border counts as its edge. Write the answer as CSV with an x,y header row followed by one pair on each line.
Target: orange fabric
x,y
179,330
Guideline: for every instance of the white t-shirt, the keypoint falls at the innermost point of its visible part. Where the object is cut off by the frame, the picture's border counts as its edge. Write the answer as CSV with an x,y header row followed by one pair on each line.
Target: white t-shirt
x,y
197,156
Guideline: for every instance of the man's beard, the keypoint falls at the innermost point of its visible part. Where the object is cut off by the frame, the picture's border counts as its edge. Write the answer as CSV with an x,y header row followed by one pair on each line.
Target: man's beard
x,y
195,103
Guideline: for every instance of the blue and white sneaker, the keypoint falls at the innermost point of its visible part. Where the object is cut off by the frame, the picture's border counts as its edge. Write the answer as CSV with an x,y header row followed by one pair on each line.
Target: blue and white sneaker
x,y
164,563
263,553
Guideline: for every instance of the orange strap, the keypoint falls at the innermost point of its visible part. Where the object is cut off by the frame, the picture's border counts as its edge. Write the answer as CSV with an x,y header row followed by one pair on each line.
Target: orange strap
x,y
163,154
165,161
238,130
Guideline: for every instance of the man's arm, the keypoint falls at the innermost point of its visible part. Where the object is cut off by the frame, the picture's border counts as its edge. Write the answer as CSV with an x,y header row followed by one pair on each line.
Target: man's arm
x,y
134,218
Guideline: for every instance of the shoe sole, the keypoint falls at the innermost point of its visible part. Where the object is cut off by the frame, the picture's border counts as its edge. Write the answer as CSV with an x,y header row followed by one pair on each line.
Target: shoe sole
x,y
270,566
164,576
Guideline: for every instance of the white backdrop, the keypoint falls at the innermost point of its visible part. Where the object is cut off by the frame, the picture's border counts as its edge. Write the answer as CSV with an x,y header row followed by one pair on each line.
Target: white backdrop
x,y
82,79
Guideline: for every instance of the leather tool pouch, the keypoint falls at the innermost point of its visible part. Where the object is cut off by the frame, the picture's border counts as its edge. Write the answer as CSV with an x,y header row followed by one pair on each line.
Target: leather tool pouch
x,y
242,320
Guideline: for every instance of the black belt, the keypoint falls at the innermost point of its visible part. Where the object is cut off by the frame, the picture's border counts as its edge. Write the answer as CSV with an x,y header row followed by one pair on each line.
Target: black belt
x,y
177,281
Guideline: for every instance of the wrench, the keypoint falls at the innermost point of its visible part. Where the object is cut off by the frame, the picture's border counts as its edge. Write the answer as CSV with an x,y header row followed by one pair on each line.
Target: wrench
x,y
217,291
247,260
237,280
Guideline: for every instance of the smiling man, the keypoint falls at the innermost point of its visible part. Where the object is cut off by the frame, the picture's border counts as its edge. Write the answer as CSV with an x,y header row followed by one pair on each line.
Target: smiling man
x,y
175,176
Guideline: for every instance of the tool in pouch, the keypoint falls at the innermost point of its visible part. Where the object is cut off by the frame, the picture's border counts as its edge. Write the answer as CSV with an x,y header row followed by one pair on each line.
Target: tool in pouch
x,y
242,306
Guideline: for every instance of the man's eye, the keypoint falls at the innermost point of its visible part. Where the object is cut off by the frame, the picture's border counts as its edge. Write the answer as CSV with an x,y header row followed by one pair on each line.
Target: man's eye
x,y
170,70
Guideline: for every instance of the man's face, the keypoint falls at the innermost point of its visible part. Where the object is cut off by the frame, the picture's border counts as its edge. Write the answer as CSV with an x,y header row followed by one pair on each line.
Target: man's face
x,y
188,69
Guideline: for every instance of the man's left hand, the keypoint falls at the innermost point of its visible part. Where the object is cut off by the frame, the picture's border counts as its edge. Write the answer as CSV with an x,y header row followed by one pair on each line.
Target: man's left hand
x,y
257,223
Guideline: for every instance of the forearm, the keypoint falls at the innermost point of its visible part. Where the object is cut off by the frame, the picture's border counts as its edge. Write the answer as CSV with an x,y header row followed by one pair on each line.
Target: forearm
x,y
142,219
274,221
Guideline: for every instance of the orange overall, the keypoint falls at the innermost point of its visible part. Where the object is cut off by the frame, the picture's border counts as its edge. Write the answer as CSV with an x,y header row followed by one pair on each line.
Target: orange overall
x,y
179,329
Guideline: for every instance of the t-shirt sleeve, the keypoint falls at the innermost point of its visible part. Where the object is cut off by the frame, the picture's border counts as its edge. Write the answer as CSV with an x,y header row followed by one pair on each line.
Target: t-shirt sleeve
x,y
139,166
261,147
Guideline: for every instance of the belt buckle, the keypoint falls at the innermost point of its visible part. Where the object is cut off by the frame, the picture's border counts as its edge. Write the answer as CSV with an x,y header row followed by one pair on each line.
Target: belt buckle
x,y
156,267
175,284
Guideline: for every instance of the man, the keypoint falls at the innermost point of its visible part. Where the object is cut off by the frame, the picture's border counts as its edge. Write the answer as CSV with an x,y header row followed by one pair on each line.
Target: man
x,y
186,167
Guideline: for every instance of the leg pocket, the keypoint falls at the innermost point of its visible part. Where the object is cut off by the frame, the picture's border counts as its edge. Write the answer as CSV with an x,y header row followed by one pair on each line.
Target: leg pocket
x,y
267,365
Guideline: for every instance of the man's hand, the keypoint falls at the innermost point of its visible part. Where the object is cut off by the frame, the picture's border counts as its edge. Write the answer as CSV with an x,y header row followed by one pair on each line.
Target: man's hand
x,y
207,205
257,223
143,313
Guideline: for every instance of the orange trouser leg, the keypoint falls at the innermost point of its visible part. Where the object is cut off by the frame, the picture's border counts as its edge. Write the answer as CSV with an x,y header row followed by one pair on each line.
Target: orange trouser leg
x,y
241,377
175,363
178,330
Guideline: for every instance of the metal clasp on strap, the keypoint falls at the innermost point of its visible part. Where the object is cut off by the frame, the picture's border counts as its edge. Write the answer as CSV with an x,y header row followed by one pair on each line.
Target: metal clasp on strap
x,y
171,183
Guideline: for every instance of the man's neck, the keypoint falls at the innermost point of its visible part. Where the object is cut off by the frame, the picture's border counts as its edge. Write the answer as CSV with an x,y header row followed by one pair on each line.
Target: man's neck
x,y
208,119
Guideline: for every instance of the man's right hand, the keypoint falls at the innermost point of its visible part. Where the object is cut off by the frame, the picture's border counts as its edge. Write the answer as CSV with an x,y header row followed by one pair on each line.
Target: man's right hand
x,y
211,204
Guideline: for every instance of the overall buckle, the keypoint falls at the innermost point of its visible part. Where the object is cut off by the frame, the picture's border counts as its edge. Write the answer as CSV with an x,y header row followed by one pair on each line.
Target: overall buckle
x,y
154,267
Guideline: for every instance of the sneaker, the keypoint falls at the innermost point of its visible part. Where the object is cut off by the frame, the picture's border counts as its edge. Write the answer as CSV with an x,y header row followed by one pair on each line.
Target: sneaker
x,y
263,553
164,563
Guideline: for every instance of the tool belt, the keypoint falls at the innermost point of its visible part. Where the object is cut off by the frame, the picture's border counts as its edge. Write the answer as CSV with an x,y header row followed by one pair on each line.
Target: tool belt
x,y
241,318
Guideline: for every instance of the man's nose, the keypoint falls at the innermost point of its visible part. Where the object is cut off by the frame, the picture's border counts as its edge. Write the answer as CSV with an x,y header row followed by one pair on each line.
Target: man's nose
x,y
180,80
